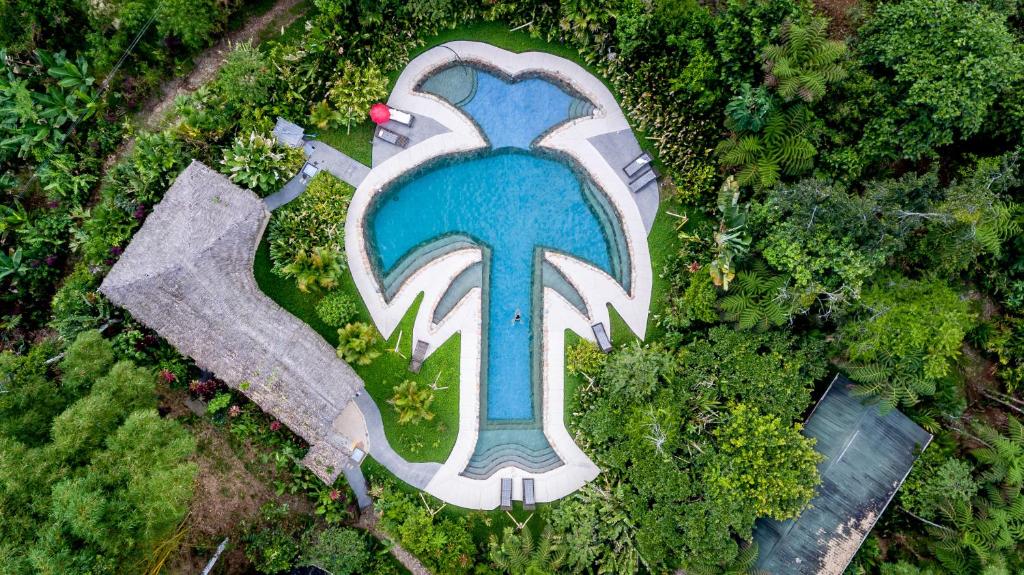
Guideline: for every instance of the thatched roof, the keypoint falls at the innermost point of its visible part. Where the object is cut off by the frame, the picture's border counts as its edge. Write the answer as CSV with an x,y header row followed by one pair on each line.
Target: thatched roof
x,y
867,457
187,274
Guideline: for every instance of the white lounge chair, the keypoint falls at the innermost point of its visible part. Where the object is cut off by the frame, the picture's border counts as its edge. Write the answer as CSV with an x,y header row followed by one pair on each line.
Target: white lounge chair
x,y
404,118
638,164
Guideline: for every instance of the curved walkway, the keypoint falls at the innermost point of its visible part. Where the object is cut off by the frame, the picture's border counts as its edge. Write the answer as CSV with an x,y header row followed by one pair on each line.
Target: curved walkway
x,y
416,474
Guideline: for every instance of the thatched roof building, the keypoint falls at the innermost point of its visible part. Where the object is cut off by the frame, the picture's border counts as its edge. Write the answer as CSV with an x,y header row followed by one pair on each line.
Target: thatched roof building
x,y
187,274
867,457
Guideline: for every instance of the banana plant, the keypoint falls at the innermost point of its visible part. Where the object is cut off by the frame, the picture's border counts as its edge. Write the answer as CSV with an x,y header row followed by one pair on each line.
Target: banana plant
x,y
732,240
10,264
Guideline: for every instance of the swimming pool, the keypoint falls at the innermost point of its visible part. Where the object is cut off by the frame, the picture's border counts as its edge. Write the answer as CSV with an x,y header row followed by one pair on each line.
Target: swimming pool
x,y
514,201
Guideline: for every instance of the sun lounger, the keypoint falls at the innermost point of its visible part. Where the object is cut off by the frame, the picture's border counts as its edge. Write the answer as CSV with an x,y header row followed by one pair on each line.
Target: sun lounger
x,y
392,138
602,337
637,165
506,493
642,182
404,118
418,353
529,499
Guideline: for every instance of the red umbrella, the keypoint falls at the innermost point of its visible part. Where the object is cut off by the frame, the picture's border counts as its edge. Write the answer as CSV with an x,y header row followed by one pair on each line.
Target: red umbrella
x,y
379,113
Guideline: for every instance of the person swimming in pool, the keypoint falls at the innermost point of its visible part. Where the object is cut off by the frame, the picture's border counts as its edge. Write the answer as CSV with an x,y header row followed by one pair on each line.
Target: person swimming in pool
x,y
518,317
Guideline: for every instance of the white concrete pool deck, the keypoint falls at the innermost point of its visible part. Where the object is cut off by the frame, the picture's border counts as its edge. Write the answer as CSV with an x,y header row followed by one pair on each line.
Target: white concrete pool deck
x,y
596,287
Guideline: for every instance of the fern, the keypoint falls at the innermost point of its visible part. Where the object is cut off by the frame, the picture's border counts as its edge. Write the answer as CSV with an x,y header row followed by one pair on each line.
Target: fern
x,y
760,302
806,62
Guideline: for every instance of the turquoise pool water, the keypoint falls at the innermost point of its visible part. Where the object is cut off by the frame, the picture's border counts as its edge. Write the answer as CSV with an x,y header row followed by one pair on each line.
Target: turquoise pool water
x,y
516,201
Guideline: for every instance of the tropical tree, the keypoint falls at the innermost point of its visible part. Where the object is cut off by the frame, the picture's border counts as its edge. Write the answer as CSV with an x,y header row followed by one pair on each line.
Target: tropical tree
x,y
938,83
412,402
742,564
906,339
314,271
351,96
975,537
517,554
356,343
805,62
760,302
782,146
766,460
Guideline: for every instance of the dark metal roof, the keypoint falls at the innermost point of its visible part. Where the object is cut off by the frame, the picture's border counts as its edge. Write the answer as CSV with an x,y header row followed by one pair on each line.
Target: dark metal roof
x,y
867,457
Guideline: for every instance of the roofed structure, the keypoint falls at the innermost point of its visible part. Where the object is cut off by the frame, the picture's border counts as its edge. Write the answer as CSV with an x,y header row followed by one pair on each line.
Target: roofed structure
x,y
867,457
187,274
289,134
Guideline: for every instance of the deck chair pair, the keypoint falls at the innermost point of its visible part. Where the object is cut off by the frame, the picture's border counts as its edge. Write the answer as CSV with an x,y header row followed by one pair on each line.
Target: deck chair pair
x,y
529,496
641,172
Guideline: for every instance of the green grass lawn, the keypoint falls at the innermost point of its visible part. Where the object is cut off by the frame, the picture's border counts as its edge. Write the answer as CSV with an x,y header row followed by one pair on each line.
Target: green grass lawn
x,y
424,441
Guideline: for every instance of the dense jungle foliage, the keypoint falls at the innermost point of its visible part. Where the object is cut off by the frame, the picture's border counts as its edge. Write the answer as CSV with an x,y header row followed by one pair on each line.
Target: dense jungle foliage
x,y
841,192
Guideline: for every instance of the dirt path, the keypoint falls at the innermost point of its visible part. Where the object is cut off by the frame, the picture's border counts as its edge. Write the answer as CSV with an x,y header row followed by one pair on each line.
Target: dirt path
x,y
368,521
209,61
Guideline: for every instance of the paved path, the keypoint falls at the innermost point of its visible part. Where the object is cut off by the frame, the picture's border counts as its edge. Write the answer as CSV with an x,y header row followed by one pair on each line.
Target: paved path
x,y
289,192
357,481
323,157
416,474
339,165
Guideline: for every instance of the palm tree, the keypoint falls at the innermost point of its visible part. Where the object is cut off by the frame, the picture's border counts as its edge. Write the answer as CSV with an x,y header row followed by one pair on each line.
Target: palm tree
x,y
355,344
805,62
517,554
412,402
320,269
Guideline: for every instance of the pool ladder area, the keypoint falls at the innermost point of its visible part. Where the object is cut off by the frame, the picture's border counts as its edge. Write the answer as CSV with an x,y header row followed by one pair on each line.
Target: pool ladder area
x,y
527,449
580,108
457,84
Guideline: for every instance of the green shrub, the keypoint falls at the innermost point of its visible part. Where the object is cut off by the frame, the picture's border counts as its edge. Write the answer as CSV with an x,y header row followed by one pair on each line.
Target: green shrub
x,y
356,343
337,309
338,550
78,305
314,219
320,269
584,358
258,163
86,359
443,545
